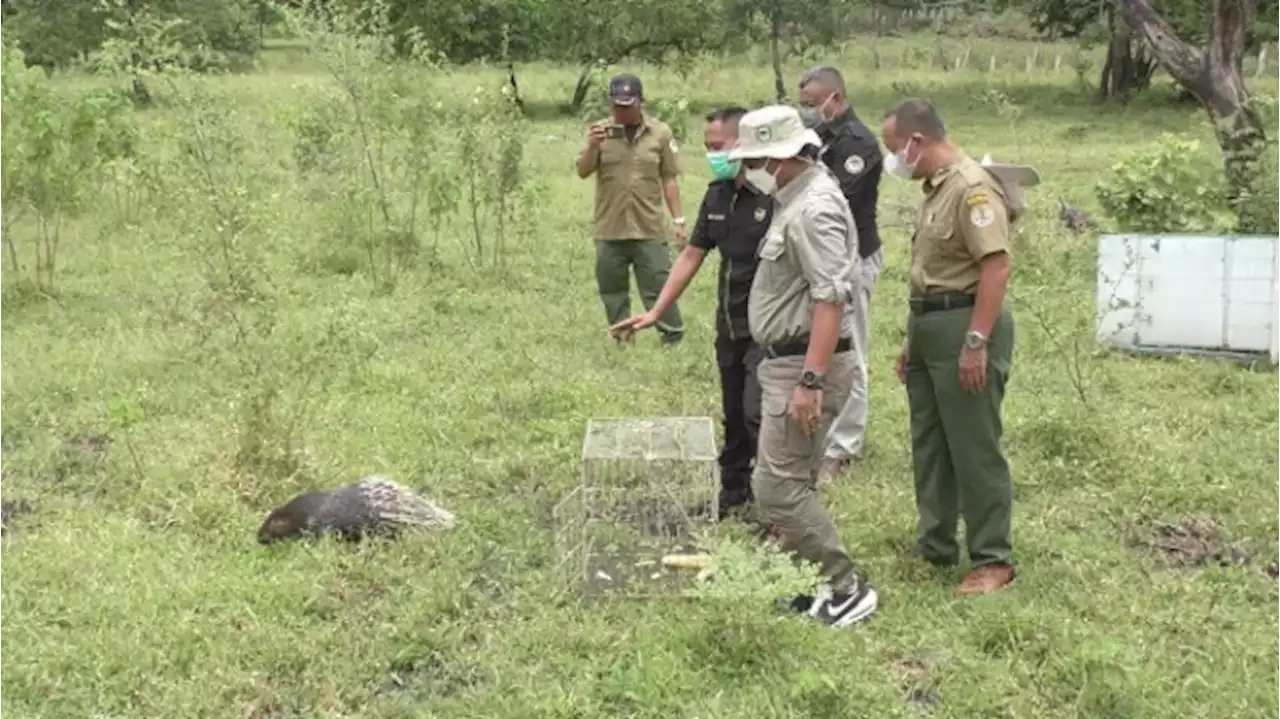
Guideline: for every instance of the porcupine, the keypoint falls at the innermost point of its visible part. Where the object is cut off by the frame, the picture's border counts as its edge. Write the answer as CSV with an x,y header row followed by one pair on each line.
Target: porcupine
x,y
373,506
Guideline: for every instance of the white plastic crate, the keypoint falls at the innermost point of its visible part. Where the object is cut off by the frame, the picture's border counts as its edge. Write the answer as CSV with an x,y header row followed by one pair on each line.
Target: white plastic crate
x,y
1188,292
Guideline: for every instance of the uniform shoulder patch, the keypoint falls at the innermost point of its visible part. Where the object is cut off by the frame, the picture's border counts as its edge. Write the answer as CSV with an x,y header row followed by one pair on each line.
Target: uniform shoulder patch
x,y
977,198
854,165
673,146
981,215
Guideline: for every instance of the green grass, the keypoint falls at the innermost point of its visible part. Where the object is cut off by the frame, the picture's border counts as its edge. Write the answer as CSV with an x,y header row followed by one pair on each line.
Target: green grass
x,y
135,588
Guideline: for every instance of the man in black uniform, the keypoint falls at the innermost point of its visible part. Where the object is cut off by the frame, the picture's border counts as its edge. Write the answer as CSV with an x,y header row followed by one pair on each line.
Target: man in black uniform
x,y
854,155
733,218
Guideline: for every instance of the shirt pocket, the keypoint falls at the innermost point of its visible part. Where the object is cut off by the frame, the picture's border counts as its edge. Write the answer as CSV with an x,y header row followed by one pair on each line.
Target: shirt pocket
x,y
773,246
939,238
648,155
613,158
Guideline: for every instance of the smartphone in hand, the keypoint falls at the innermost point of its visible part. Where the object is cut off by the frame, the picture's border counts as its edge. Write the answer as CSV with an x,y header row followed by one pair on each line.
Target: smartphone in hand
x,y
614,132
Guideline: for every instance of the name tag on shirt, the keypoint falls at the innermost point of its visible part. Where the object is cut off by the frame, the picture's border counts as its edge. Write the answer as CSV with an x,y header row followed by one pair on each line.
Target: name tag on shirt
x,y
719,218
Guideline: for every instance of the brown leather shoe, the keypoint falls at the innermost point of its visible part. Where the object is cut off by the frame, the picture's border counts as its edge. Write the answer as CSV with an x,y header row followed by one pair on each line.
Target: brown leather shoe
x,y
986,578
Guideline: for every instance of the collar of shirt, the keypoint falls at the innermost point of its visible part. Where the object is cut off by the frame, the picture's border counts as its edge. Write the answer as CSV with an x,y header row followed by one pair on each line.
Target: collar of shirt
x,y
844,118
732,186
646,122
828,130
789,194
940,175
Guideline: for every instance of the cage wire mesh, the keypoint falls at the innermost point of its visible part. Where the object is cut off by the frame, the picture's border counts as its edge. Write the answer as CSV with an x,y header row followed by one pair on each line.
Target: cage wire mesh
x,y
649,488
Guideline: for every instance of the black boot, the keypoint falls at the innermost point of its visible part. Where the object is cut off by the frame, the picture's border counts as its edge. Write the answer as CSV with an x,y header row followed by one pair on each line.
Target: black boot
x,y
734,499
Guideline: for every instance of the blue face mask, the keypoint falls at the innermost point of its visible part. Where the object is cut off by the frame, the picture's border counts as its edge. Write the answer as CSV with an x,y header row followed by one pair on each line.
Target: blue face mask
x,y
722,168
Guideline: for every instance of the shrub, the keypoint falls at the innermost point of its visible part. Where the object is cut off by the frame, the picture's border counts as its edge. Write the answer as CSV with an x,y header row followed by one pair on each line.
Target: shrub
x,y
55,154
404,156
1166,188
56,34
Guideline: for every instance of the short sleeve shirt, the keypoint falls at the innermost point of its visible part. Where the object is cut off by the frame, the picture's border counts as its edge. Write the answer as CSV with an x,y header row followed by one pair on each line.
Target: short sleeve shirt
x,y
963,219
630,175
733,220
853,154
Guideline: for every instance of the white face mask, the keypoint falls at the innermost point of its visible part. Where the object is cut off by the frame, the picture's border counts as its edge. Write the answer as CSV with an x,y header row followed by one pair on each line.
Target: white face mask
x,y
895,163
761,179
816,117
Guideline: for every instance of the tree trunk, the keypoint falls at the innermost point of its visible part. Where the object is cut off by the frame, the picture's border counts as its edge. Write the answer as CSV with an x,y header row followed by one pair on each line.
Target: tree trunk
x,y
775,52
141,94
515,88
1128,68
1214,74
581,89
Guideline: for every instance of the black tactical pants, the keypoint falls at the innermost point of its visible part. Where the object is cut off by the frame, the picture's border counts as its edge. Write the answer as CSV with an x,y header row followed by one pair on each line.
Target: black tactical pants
x,y
740,397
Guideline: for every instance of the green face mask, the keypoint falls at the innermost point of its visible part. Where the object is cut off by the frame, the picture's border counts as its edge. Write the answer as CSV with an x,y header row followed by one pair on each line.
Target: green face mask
x,y
722,168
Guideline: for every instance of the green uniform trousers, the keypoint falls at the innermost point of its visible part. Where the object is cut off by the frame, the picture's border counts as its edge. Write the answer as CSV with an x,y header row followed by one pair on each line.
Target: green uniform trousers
x,y
955,439
652,263
785,479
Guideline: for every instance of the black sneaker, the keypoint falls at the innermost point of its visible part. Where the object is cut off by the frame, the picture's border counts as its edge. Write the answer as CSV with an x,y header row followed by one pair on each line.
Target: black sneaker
x,y
733,499
800,604
839,610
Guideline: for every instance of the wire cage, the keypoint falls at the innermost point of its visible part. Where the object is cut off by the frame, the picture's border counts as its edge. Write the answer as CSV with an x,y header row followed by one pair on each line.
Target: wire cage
x,y
649,488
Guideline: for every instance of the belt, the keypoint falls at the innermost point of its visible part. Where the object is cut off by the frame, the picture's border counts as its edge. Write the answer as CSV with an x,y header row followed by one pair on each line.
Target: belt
x,y
924,304
800,347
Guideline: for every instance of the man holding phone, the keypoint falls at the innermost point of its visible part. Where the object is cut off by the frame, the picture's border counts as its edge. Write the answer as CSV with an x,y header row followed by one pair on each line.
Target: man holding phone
x,y
634,159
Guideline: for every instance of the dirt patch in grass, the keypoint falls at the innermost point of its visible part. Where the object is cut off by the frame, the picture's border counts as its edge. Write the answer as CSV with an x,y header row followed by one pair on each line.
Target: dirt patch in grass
x,y
80,455
1193,542
918,677
432,674
12,509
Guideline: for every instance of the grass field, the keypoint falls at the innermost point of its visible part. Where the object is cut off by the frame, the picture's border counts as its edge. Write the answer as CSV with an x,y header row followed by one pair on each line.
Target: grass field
x,y
134,587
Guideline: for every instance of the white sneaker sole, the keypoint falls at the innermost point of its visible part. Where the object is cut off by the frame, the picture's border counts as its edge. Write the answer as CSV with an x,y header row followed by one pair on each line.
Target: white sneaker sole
x,y
860,611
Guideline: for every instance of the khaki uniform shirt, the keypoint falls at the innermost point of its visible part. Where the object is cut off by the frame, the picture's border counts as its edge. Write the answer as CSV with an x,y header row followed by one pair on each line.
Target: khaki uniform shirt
x,y
964,218
809,254
629,182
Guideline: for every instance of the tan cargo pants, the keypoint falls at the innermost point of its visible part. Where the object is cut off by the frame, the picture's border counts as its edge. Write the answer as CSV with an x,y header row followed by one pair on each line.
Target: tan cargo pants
x,y
785,481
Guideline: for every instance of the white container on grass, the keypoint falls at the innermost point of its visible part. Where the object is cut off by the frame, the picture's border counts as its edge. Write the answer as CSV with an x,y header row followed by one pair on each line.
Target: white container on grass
x,y
1171,294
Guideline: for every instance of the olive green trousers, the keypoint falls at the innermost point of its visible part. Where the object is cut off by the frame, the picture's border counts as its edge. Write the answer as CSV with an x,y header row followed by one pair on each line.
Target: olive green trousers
x,y
955,440
651,261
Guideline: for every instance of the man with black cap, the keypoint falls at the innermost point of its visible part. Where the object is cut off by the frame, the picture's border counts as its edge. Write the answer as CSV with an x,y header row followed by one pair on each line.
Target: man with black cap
x,y
634,159
853,154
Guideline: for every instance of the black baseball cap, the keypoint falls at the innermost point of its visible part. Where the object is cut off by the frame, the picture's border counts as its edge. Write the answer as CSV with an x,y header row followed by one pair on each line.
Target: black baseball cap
x,y
625,89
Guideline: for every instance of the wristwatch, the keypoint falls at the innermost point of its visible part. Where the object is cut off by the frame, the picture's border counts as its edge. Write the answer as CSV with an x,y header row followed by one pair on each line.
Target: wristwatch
x,y
678,220
974,340
811,380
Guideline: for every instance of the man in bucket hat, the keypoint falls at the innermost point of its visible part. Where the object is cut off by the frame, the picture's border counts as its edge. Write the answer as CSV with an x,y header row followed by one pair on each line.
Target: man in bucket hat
x,y
799,314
